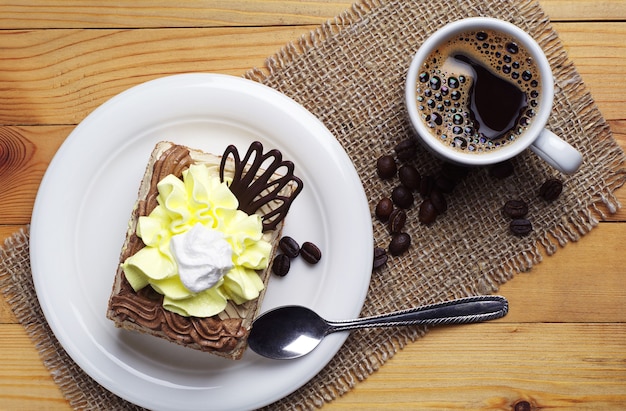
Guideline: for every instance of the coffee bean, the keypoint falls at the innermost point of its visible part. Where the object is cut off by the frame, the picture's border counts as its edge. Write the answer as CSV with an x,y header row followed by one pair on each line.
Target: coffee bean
x,y
399,244
310,252
409,177
427,212
439,201
384,209
289,247
406,150
380,257
386,167
502,170
515,208
402,197
521,227
445,184
551,189
397,219
454,172
281,265
426,186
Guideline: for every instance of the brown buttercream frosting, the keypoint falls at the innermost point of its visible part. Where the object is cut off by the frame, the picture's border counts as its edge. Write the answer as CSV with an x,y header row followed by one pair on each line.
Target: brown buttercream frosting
x,y
267,191
145,307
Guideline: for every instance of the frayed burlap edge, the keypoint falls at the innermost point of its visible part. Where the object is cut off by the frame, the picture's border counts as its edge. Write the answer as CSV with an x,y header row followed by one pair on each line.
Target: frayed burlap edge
x,y
335,379
339,376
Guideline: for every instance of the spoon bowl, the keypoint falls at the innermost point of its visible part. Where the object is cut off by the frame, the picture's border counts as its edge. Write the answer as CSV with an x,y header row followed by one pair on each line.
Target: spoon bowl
x,y
293,331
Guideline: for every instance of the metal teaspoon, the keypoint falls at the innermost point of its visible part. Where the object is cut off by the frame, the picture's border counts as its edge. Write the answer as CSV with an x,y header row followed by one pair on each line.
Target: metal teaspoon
x,y
293,331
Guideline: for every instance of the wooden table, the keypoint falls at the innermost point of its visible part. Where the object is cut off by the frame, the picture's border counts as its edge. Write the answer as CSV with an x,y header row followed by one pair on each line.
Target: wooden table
x,y
563,344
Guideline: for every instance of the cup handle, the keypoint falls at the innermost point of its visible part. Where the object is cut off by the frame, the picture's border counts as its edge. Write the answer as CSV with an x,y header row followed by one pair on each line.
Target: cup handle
x,y
556,152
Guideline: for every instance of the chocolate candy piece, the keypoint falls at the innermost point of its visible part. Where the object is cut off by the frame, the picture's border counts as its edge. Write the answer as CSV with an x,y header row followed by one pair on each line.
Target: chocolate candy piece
x,y
402,197
311,253
289,247
380,257
515,208
521,227
384,208
281,265
386,167
399,243
551,189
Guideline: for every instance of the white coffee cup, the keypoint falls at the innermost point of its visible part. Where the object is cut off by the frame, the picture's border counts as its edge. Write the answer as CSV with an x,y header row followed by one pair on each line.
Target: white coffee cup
x,y
547,145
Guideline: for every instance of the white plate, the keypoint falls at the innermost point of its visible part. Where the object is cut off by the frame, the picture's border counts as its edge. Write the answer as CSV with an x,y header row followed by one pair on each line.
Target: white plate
x,y
84,203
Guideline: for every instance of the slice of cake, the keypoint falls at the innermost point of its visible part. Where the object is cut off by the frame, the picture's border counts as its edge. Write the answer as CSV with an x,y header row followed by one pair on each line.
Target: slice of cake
x,y
200,242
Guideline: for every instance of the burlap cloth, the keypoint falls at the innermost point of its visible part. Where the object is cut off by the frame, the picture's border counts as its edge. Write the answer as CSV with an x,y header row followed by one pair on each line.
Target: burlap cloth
x,y
350,74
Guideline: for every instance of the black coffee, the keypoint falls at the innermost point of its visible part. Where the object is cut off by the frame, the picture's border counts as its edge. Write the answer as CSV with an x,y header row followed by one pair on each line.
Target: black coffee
x,y
479,91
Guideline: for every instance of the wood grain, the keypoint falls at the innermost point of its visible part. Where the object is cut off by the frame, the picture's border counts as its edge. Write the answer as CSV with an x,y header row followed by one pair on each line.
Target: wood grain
x,y
60,76
561,347
44,14
560,367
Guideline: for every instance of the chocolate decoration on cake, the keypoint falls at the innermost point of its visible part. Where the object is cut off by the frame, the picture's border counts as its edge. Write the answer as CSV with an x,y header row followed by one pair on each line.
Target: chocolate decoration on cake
x,y
223,334
254,191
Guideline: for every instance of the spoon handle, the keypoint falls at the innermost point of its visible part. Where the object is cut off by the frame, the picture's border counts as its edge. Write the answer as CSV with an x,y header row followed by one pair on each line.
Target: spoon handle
x,y
461,311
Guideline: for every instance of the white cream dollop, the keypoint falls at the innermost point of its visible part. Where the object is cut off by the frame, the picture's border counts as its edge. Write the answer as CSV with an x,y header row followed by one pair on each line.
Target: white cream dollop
x,y
203,257
199,198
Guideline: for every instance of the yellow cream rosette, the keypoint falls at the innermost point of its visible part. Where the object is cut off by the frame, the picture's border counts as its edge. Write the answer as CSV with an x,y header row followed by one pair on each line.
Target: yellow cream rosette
x,y
199,198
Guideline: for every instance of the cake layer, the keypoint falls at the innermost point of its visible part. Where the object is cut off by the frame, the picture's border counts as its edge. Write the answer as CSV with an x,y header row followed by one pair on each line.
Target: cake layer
x,y
223,334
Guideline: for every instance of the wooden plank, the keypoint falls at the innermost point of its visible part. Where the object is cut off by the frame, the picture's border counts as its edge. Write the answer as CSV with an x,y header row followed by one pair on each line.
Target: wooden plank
x,y
25,383
599,52
33,147
550,366
569,286
450,368
44,14
91,66
59,76
163,13
30,150
565,287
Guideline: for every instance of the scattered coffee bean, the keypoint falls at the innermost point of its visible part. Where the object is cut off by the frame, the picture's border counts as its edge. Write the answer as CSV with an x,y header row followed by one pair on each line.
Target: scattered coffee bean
x,y
380,257
384,209
426,186
281,265
427,212
515,208
439,201
521,227
289,247
502,170
397,219
409,177
402,197
551,189
310,252
445,184
406,150
386,167
399,243
454,172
